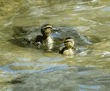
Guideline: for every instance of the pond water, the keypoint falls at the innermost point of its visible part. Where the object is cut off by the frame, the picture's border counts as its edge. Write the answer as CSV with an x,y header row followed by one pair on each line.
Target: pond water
x,y
25,68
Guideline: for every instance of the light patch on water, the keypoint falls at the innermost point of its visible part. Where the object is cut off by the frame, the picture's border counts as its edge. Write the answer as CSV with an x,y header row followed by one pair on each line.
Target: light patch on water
x,y
99,7
4,87
46,67
15,75
82,2
84,90
83,28
4,75
56,35
92,87
70,61
52,15
50,59
80,18
35,14
79,8
54,28
82,72
107,22
80,60
53,68
37,11
23,64
16,13
89,66
98,66
98,79
59,20
8,23
67,18
84,39
107,59
23,59
105,54
106,9
94,0
73,14
83,7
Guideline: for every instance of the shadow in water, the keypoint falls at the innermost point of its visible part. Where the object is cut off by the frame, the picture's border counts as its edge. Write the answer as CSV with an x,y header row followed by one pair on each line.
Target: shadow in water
x,y
23,37
16,81
20,43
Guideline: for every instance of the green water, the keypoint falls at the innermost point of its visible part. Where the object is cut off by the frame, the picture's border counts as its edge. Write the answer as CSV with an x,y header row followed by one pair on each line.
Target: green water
x,y
90,17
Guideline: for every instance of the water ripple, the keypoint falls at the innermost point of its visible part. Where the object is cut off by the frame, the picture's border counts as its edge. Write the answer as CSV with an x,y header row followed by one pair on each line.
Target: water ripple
x,y
92,87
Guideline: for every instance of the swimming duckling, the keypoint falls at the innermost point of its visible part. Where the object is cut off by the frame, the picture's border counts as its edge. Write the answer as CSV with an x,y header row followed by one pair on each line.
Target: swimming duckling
x,y
45,40
68,48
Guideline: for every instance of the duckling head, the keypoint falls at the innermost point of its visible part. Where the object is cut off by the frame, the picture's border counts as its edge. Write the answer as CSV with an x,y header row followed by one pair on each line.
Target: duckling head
x,y
69,42
46,29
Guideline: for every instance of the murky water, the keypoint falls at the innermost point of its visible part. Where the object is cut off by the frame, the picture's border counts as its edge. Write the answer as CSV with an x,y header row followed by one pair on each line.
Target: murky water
x,y
50,71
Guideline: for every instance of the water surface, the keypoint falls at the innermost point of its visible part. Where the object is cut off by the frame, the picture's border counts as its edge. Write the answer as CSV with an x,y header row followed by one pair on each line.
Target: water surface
x,y
86,71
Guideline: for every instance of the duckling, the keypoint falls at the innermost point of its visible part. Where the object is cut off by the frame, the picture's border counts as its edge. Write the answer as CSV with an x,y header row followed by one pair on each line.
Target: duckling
x,y
68,48
45,40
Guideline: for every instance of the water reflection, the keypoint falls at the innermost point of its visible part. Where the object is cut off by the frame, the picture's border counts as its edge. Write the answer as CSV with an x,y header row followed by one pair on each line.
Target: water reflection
x,y
34,67
24,59
106,9
82,72
50,59
65,79
93,87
